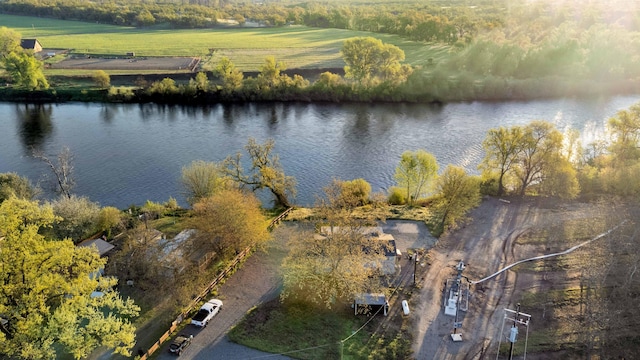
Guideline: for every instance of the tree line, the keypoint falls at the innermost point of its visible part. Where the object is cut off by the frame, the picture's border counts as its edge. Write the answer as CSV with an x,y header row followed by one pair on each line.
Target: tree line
x,y
425,22
374,71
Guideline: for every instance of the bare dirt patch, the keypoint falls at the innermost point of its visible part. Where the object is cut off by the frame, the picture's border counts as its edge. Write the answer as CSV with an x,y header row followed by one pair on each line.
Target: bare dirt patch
x,y
500,234
128,63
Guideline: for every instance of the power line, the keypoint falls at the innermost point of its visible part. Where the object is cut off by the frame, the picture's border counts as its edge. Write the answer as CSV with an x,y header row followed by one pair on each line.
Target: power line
x,y
550,255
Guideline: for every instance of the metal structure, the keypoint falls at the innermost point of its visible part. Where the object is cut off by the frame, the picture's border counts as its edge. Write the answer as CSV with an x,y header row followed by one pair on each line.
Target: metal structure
x,y
457,298
517,318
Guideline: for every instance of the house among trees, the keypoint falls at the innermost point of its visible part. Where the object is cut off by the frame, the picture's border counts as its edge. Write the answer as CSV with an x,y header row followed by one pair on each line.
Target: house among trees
x,y
31,44
381,243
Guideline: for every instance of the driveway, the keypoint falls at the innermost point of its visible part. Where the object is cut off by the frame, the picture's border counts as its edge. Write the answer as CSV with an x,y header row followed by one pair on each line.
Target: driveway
x,y
260,280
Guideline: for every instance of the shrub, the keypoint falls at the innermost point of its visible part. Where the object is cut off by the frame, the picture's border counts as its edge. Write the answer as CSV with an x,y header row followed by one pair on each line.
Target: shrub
x,y
120,93
101,79
397,196
357,189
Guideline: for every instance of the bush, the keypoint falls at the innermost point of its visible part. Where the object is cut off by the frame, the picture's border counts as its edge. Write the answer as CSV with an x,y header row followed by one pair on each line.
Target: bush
x,y
101,79
489,184
397,196
357,189
110,218
120,94
78,217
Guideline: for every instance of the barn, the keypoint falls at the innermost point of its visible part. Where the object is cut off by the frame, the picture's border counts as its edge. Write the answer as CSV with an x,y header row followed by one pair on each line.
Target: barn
x,y
31,44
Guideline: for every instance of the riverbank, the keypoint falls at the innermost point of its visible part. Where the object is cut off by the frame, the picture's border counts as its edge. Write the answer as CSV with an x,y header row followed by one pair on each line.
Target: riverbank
x,y
138,88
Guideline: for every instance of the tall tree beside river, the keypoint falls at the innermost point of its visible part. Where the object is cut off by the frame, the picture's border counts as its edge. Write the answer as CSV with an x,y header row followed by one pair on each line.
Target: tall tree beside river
x,y
266,172
415,173
370,60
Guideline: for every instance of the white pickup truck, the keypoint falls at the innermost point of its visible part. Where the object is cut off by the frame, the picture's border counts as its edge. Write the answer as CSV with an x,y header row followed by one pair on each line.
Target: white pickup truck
x,y
206,313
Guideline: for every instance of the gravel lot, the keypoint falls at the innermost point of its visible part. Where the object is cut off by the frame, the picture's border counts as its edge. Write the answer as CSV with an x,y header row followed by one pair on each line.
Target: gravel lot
x,y
141,63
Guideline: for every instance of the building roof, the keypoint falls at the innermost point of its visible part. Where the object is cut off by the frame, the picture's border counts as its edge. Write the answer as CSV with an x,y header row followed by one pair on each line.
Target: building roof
x,y
102,246
371,299
29,43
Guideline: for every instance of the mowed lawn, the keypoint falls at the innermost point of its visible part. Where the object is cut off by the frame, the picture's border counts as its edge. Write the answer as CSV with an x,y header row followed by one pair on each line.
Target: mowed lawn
x,y
296,46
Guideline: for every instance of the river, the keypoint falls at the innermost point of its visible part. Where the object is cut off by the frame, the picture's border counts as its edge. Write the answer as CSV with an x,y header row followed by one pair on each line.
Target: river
x,y
126,154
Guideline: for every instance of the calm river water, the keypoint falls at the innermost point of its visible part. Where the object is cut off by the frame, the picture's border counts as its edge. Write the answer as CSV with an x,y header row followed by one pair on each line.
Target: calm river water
x,y
127,154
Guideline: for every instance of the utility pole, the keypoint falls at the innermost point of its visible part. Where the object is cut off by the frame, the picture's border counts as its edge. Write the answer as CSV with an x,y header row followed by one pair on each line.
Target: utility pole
x,y
518,318
514,332
415,266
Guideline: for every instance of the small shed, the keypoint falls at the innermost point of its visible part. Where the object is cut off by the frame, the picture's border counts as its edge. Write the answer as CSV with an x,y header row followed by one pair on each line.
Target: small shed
x,y
370,303
31,44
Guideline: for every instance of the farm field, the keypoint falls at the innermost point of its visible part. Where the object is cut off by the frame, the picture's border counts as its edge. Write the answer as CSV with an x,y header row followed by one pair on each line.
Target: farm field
x,y
297,46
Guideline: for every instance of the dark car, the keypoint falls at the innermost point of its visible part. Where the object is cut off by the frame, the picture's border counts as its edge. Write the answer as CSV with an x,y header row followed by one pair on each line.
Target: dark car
x,y
180,343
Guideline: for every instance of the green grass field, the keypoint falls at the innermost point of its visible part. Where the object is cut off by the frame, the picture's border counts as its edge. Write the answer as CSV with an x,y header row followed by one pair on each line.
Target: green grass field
x,y
298,47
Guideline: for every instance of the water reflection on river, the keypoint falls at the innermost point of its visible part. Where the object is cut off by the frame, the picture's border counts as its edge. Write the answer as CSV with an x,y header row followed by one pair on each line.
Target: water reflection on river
x,y
126,154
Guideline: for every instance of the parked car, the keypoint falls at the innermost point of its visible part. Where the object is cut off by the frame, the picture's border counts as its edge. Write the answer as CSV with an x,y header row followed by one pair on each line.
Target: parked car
x,y
206,313
180,343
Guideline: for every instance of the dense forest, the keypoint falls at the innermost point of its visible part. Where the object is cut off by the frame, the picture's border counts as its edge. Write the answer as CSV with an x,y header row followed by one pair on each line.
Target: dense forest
x,y
422,22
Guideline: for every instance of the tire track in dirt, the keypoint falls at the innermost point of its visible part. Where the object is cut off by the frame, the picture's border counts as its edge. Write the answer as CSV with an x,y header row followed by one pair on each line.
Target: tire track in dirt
x,y
485,245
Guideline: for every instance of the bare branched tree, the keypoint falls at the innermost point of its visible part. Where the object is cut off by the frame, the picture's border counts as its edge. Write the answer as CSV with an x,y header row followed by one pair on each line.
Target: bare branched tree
x,y
62,169
266,172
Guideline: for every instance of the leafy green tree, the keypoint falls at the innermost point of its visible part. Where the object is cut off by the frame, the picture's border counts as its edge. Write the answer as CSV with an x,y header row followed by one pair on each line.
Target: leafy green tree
x,y
46,297
229,221
501,148
456,193
77,217
231,76
541,144
355,191
110,218
202,179
265,173
624,131
25,70
152,210
328,80
201,82
335,266
561,179
12,184
101,78
145,18
166,86
614,168
269,75
415,172
368,58
9,41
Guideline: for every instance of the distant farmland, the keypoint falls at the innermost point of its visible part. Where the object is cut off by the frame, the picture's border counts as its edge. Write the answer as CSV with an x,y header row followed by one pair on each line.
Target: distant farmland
x,y
298,47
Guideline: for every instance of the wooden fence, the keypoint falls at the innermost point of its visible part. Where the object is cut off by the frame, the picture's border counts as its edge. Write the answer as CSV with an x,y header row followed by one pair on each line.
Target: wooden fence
x,y
223,275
